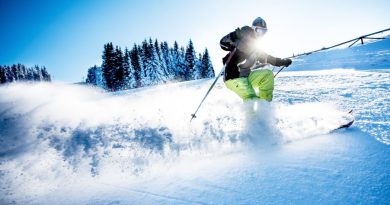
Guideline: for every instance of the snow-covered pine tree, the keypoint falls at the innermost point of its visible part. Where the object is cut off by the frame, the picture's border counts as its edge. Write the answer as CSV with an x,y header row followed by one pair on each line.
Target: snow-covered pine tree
x,y
45,75
157,73
19,72
15,72
129,71
163,65
142,59
136,62
207,66
92,76
9,75
37,73
108,65
146,57
23,72
95,77
198,67
30,74
177,62
168,60
190,59
119,71
3,78
183,62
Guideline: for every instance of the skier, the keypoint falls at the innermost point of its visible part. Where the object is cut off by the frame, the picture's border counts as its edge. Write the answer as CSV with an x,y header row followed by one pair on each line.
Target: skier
x,y
239,76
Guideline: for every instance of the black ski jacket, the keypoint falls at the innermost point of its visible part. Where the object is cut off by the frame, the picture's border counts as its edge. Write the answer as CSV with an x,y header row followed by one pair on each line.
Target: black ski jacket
x,y
244,39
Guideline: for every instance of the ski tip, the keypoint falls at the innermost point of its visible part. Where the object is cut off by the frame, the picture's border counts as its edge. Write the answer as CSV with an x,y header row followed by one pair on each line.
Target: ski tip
x,y
346,125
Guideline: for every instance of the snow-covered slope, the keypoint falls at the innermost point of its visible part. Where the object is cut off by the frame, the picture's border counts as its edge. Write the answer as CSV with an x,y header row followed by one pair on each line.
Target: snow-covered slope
x,y
70,144
371,55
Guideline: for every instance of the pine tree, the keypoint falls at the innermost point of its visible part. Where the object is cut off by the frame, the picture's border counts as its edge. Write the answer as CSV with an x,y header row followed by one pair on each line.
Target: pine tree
x,y
207,66
168,60
137,64
45,75
146,57
15,73
92,76
177,62
182,63
178,56
8,74
3,78
163,70
30,74
190,59
129,71
198,67
95,77
108,65
119,71
37,73
23,71
19,72
157,72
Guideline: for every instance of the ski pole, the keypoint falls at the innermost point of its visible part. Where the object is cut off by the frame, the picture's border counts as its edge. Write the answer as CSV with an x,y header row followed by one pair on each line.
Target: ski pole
x,y
279,71
215,81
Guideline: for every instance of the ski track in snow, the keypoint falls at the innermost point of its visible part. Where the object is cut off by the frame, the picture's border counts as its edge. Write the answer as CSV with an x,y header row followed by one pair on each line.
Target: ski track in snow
x,y
139,147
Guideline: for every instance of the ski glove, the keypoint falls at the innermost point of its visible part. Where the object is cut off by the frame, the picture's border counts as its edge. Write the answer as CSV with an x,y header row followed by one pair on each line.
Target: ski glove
x,y
285,62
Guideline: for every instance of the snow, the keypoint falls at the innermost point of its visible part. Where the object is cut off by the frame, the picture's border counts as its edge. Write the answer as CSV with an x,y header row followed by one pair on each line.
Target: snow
x,y
71,144
371,55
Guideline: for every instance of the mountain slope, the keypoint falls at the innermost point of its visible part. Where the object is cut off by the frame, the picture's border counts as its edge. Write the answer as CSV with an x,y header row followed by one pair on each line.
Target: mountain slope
x,y
371,55
71,144
139,147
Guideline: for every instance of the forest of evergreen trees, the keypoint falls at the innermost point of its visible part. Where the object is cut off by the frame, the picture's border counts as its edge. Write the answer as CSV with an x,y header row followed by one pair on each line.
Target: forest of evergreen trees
x,y
19,72
150,63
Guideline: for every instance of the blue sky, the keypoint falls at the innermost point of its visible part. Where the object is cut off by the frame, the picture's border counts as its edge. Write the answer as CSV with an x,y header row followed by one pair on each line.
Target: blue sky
x,y
68,36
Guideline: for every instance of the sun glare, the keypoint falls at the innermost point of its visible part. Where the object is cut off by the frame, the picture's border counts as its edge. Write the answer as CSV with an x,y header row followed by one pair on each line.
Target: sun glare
x,y
259,44
272,46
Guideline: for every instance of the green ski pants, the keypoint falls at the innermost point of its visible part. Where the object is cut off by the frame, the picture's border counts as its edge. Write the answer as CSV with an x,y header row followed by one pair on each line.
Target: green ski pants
x,y
263,80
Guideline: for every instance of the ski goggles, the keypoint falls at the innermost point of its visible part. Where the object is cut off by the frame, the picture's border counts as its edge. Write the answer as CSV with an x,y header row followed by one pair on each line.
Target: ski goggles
x,y
260,30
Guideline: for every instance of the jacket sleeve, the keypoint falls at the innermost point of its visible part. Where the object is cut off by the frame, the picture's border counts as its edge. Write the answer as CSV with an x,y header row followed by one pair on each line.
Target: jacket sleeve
x,y
274,61
228,42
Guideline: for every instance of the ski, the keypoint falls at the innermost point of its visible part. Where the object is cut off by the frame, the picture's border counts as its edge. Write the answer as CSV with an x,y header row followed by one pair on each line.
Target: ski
x,y
346,125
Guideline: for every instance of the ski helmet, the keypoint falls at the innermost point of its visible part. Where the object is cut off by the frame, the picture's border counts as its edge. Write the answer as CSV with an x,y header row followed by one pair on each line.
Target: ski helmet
x,y
259,26
259,22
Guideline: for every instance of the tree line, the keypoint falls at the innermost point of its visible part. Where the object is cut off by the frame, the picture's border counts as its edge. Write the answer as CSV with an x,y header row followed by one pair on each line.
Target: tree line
x,y
19,72
150,63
